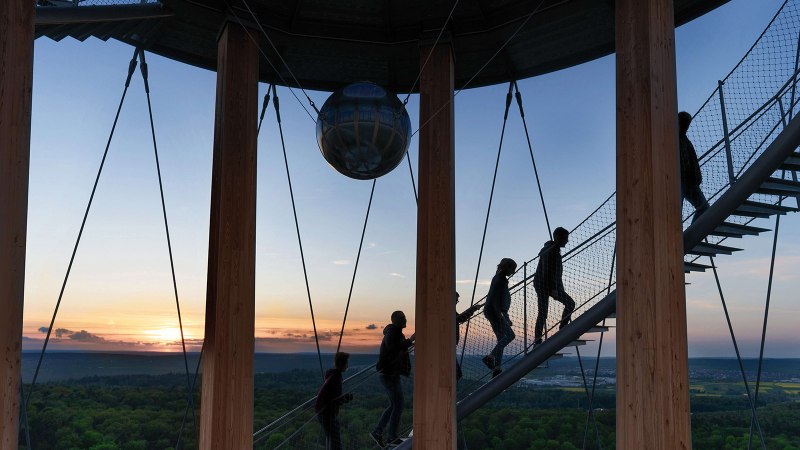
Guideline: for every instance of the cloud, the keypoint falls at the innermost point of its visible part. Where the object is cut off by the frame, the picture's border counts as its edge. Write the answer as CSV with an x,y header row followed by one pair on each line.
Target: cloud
x,y
341,262
480,282
372,244
296,335
66,339
85,336
59,332
397,275
372,326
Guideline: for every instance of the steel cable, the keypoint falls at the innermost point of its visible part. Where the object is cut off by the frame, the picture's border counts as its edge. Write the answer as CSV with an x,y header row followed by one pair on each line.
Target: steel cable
x,y
488,211
131,68
144,71
276,104
355,269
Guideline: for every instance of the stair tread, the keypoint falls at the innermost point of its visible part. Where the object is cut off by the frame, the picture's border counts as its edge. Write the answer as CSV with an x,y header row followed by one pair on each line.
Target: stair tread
x,y
707,248
779,186
689,266
750,208
735,230
793,161
746,229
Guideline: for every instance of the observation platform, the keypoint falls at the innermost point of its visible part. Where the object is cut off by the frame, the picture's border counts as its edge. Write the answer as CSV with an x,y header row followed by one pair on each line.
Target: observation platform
x,y
329,44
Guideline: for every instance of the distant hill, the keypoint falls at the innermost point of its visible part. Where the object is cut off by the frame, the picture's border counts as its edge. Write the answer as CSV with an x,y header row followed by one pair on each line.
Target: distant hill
x,y
58,366
73,365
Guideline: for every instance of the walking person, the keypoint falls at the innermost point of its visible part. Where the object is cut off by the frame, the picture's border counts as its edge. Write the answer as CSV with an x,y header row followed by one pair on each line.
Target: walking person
x,y
691,176
547,282
393,362
330,398
498,301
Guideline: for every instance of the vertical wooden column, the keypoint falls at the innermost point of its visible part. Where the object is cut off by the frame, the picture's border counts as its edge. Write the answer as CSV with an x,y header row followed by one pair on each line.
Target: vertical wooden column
x,y
227,395
16,83
652,375
434,373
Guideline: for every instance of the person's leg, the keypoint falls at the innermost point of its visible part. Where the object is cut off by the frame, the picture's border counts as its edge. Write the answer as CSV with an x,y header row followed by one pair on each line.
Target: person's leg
x,y
569,307
335,435
325,421
505,338
697,199
497,329
541,315
384,419
396,397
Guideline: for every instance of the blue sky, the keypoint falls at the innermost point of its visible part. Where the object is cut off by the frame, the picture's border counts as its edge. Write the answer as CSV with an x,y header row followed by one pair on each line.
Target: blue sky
x,y
120,288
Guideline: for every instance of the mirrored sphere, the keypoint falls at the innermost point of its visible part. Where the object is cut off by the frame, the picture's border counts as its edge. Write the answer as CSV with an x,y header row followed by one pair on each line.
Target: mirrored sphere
x,y
363,131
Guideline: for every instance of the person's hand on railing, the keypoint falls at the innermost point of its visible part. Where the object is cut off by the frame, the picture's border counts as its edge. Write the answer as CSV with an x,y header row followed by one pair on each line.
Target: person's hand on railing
x,y
345,398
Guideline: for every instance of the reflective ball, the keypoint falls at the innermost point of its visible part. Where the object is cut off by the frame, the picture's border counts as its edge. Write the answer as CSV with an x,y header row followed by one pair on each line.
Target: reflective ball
x,y
363,131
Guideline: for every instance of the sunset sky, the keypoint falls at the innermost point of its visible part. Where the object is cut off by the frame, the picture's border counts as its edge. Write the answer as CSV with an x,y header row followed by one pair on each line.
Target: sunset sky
x,y
119,296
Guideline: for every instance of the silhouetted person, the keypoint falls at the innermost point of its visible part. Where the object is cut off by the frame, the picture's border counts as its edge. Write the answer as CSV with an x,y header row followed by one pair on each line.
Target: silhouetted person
x,y
330,398
461,318
547,282
393,361
498,301
691,176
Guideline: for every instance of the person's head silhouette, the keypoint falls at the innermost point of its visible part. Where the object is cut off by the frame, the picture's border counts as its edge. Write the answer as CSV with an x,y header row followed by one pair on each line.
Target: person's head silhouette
x,y
684,120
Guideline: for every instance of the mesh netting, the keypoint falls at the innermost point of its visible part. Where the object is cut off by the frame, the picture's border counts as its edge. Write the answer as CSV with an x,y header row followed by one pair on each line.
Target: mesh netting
x,y
754,102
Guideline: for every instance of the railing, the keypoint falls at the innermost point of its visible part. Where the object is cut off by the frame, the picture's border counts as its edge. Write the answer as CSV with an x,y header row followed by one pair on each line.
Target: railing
x,y
739,120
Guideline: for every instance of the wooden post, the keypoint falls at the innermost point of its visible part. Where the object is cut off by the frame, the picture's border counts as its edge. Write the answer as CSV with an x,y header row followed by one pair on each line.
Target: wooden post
x,y
434,373
227,395
652,374
16,84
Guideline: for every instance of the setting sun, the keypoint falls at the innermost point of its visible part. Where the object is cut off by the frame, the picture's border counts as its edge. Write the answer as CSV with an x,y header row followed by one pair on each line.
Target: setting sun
x,y
170,334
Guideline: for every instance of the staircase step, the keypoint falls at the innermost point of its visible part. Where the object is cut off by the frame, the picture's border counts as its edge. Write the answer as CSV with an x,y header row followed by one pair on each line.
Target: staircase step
x,y
613,315
761,210
735,230
792,162
708,249
777,186
598,329
577,343
694,267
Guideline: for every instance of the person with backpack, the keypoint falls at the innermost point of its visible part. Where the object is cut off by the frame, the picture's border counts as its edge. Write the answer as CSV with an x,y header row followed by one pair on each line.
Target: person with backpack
x,y
330,398
393,361
547,282
498,301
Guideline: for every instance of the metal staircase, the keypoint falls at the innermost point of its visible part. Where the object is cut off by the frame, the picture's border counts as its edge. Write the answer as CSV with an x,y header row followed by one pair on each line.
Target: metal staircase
x,y
749,170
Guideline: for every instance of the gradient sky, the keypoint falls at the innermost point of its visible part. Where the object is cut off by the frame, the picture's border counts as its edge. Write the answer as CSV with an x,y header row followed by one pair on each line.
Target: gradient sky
x,y
119,295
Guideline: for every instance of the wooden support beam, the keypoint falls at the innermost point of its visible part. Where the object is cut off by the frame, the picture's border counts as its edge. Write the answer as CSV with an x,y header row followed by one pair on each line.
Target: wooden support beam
x,y
227,395
434,372
16,84
652,374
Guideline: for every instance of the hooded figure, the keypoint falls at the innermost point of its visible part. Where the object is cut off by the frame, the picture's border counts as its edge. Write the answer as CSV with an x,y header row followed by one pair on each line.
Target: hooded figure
x,y
393,361
394,358
691,176
547,282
